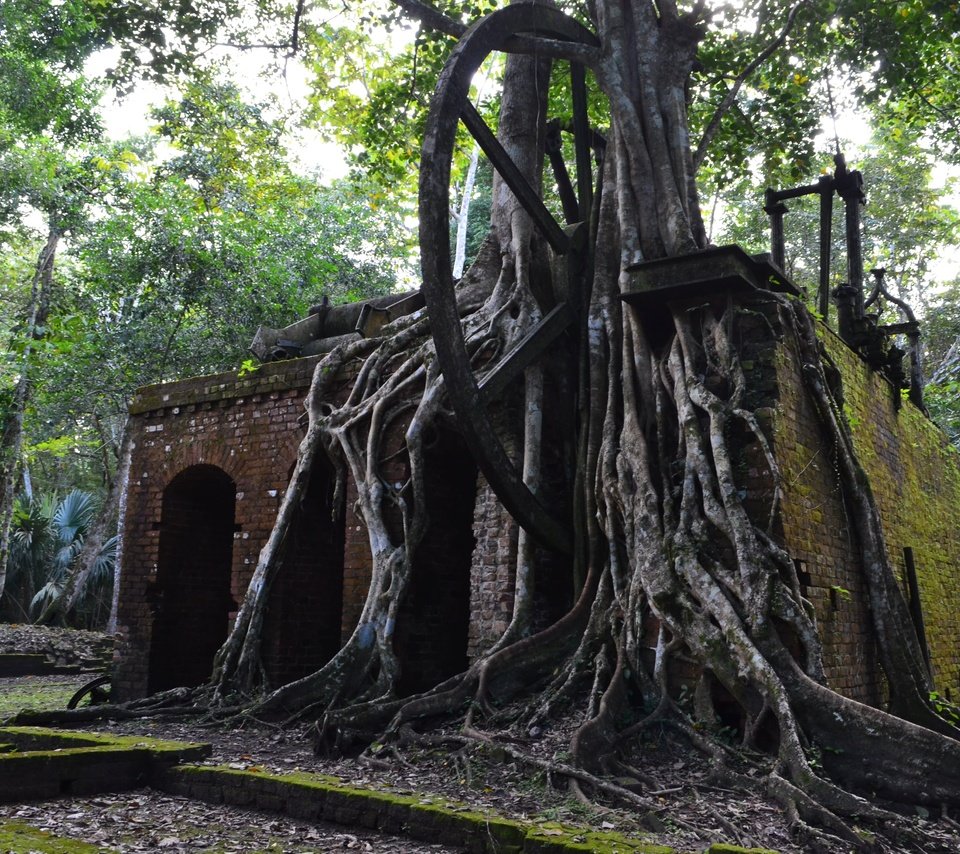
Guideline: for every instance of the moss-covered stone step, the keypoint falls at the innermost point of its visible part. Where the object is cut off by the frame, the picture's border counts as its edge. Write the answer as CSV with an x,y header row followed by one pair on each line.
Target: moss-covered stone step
x,y
24,664
49,763
38,664
314,797
17,838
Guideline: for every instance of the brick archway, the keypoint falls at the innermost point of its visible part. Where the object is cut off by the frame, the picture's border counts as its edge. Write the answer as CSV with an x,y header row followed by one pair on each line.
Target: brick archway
x,y
305,606
190,598
434,622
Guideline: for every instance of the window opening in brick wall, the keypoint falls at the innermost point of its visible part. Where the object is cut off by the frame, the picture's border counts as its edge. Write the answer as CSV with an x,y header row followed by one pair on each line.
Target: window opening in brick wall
x,y
434,620
302,624
191,597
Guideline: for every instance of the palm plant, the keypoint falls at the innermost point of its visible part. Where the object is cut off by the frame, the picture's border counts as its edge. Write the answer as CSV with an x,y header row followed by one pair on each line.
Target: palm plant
x,y
47,538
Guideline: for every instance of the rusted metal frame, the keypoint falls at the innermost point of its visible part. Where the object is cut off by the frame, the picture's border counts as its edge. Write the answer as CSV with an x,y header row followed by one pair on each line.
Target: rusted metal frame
x,y
910,328
773,205
451,95
533,345
526,195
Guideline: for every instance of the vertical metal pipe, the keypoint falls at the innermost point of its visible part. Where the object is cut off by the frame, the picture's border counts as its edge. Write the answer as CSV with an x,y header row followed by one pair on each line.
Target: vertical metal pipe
x,y
851,191
826,184
775,210
846,300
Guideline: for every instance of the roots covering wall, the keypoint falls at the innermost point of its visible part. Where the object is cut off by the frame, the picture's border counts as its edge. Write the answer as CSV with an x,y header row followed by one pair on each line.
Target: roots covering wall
x,y
245,431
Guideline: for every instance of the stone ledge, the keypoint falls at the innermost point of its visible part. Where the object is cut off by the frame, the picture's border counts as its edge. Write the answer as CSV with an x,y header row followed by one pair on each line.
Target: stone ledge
x,y
273,376
49,763
313,797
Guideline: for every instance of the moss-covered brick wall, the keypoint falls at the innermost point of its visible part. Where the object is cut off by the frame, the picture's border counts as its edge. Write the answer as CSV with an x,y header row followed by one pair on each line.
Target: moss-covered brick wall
x,y
915,475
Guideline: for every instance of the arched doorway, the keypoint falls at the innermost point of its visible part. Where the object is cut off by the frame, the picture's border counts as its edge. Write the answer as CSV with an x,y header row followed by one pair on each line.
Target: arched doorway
x,y
434,621
304,610
191,596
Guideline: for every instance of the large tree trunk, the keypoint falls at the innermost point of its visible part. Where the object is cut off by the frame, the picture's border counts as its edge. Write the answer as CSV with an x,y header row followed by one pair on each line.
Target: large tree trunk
x,y
11,438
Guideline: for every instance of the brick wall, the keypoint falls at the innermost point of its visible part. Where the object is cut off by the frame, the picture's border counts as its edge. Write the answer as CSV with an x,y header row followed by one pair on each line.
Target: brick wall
x,y
915,476
245,432
245,429
178,598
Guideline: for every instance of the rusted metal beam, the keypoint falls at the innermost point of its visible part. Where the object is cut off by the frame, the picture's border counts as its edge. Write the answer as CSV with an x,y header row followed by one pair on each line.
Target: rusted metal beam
x,y
826,244
527,196
775,209
554,150
533,345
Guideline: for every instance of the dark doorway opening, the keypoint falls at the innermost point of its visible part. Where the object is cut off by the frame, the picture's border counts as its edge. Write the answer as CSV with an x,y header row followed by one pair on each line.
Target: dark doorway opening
x,y
434,620
302,625
191,598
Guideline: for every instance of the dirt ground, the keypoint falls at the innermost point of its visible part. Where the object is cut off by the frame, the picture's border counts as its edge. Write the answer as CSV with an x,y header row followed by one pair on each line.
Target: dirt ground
x,y
147,821
691,811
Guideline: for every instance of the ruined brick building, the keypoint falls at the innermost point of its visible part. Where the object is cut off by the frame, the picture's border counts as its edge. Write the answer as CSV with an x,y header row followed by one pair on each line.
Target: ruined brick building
x,y
212,456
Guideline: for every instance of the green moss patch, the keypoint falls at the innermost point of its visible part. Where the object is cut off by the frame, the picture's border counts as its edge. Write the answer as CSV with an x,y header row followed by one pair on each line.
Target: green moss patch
x,y
556,837
17,838
34,739
39,694
433,820
49,763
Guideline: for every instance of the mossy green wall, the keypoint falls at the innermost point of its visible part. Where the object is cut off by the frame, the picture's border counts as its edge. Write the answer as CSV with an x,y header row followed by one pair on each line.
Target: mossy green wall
x,y
915,476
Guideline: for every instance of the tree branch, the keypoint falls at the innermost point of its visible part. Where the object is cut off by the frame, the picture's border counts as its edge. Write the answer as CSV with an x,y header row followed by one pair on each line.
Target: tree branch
x,y
714,124
431,17
586,54
295,36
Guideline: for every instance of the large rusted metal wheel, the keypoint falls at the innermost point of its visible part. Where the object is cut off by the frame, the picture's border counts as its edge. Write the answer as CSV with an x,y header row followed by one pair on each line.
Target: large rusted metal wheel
x,y
97,689
517,25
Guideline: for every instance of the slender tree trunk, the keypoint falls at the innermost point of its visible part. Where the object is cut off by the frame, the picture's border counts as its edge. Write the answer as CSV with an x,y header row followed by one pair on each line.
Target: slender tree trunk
x,y
11,440
463,215
123,481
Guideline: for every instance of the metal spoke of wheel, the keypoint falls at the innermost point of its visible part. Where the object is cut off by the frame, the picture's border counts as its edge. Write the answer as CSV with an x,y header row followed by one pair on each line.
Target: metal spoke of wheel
x,y
450,104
